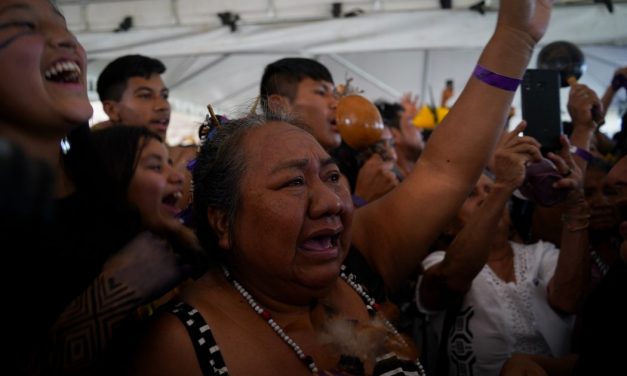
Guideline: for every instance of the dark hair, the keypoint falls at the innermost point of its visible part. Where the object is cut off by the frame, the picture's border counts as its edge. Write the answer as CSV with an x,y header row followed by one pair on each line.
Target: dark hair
x,y
218,172
600,164
282,77
113,155
390,113
113,78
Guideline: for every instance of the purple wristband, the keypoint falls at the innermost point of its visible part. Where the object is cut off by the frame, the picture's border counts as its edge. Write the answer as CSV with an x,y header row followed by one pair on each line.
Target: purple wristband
x,y
582,153
358,201
495,79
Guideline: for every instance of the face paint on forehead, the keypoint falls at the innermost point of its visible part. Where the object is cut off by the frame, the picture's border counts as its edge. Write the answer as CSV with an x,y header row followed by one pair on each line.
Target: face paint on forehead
x,y
22,23
25,24
7,42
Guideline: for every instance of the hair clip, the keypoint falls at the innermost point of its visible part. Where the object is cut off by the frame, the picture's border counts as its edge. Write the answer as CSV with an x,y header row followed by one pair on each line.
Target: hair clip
x,y
209,126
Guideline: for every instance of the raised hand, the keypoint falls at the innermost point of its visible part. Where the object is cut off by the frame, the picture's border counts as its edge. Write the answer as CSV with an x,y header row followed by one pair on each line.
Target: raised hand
x,y
528,18
512,155
375,178
620,77
581,102
572,174
410,106
147,265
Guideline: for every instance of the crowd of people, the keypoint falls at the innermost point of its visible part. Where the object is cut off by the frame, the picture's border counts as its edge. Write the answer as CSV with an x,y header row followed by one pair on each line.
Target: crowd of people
x,y
302,255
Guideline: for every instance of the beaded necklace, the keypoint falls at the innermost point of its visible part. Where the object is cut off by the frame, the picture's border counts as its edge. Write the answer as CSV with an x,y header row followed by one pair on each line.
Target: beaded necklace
x,y
371,306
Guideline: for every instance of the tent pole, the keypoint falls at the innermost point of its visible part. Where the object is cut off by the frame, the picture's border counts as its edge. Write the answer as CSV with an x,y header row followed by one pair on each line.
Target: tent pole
x,y
425,75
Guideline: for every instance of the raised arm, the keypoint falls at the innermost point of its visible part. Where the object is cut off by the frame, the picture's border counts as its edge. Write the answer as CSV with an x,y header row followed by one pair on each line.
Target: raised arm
x,y
572,272
581,101
619,80
447,282
395,232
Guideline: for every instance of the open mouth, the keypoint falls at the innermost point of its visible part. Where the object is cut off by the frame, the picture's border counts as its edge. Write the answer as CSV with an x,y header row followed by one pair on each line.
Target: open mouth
x,y
160,125
64,72
171,200
161,122
322,243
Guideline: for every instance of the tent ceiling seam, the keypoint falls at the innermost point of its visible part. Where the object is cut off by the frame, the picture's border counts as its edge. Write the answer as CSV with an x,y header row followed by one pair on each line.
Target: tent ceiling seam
x,y
204,68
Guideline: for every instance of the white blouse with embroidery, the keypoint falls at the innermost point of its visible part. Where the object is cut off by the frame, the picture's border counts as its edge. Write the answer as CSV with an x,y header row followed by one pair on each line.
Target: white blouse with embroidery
x,y
498,318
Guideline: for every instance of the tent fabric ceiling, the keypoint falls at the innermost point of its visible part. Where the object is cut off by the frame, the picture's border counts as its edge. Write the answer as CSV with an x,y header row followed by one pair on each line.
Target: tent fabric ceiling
x,y
105,15
99,15
376,32
387,52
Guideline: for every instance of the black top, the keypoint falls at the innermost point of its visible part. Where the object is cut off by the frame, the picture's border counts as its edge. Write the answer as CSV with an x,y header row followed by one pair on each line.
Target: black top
x,y
604,326
210,358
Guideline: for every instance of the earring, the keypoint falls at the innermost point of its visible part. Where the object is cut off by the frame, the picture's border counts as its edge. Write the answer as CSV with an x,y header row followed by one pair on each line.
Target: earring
x,y
65,145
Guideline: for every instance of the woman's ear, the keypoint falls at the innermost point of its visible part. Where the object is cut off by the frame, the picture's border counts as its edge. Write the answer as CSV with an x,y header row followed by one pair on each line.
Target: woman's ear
x,y
278,103
218,221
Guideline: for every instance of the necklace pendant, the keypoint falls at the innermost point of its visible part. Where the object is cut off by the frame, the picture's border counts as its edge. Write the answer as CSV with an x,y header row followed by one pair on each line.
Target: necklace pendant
x,y
266,315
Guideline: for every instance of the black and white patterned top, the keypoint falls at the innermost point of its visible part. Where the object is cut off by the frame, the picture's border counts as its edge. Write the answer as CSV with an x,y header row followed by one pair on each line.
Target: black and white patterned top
x,y
212,364
207,350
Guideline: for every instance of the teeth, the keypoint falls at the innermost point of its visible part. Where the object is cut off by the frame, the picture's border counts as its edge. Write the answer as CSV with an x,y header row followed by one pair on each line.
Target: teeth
x,y
177,195
62,66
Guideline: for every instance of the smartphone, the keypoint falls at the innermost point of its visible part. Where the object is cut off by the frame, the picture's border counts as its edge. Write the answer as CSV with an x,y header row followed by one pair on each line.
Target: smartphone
x,y
540,97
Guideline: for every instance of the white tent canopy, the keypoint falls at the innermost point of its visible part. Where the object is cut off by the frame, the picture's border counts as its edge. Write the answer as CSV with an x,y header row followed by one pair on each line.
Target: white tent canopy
x,y
386,52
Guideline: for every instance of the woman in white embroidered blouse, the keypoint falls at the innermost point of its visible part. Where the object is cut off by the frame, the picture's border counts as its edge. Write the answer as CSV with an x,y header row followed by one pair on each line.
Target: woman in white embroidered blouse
x,y
507,297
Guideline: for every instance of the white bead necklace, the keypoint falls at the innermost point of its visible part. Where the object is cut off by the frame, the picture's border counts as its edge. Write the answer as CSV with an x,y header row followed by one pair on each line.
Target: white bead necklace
x,y
371,306
308,360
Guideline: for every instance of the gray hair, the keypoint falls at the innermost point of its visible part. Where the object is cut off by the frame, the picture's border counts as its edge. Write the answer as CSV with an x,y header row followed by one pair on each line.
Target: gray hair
x,y
217,176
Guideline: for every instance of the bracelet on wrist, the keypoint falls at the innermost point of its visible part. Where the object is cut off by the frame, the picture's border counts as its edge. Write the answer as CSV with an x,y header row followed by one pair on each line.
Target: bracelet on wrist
x,y
577,202
577,217
358,201
581,153
577,227
576,222
494,79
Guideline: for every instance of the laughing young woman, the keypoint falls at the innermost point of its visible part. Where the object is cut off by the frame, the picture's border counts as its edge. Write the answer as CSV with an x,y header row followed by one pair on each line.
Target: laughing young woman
x,y
44,100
